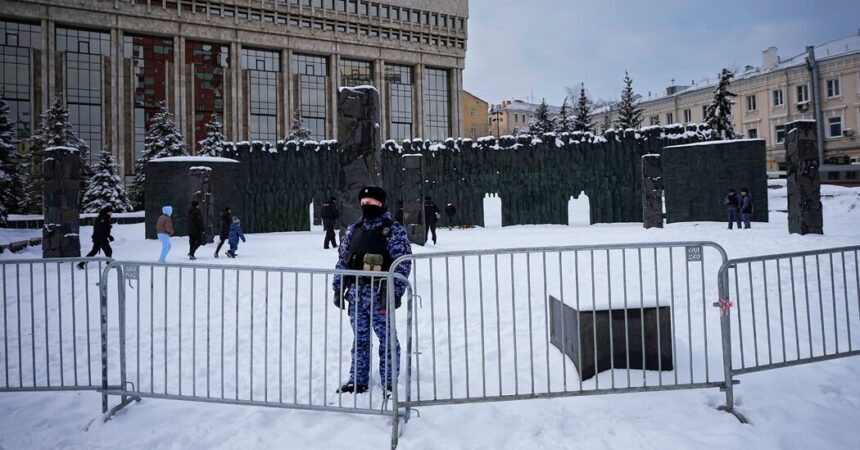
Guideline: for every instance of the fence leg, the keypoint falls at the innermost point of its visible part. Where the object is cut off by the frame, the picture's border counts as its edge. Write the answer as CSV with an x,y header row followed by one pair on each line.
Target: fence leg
x,y
726,332
125,400
103,326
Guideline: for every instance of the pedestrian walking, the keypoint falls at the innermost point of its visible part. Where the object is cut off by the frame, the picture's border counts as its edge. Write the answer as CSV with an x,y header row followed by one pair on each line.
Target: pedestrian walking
x,y
373,243
431,218
450,210
226,221
731,202
101,235
329,216
234,236
164,229
746,207
194,224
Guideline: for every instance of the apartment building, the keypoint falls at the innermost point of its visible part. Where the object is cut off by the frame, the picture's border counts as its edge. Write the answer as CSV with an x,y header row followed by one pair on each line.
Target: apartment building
x,y
475,116
514,116
251,64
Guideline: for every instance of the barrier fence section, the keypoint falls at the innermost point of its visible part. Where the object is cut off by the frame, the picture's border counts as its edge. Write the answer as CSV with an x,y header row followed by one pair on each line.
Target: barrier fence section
x,y
246,335
485,325
791,308
51,325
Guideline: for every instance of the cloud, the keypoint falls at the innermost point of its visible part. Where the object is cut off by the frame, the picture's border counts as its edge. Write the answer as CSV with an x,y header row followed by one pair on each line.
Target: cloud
x,y
542,46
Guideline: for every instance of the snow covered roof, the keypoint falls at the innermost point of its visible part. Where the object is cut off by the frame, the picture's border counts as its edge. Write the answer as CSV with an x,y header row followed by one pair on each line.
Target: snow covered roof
x,y
528,107
197,159
60,147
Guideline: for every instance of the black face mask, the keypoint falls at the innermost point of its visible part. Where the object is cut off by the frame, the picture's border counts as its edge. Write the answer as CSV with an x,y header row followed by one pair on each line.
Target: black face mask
x,y
371,211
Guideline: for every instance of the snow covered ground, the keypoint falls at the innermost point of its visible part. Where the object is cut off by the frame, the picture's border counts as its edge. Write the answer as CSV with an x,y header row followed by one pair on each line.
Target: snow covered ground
x,y
816,405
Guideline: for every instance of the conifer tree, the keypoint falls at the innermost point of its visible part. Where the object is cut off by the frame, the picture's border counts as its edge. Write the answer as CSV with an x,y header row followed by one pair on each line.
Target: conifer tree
x,y
543,122
629,111
719,113
106,188
213,145
297,130
162,140
55,131
564,125
11,181
582,118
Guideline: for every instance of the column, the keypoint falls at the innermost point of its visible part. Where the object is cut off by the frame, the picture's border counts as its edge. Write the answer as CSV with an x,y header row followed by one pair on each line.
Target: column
x,y
418,102
287,90
379,82
119,128
334,82
238,127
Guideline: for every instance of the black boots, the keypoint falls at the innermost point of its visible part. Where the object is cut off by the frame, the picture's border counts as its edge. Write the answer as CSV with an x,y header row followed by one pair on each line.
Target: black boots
x,y
350,387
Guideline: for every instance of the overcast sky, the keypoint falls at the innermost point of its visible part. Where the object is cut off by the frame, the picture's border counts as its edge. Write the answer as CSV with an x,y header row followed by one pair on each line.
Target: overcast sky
x,y
517,47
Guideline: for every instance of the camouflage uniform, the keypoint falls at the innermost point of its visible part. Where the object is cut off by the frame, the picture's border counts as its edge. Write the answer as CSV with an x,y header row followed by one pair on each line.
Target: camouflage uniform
x,y
367,312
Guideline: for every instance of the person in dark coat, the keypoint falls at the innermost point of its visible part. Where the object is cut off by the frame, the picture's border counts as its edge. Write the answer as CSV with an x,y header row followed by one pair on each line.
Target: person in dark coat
x,y
226,221
745,207
732,204
431,217
450,210
195,228
101,235
329,216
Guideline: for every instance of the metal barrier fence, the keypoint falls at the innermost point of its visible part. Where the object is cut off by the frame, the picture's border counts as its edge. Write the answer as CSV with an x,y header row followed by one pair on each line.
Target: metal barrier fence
x,y
244,335
51,325
791,308
481,324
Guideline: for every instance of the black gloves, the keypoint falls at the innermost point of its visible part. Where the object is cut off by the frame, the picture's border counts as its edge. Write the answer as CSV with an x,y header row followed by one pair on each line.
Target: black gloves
x,y
339,300
110,238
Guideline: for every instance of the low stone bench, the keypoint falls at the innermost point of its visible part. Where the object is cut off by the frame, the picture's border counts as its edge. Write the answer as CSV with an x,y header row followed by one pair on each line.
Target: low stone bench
x,y
598,323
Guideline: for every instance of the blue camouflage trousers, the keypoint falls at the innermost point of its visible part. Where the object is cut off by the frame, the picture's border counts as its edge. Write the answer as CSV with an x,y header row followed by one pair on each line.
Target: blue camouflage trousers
x,y
364,315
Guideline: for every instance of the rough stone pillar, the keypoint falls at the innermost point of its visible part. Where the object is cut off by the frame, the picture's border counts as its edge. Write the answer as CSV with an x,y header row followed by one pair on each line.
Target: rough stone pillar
x,y
413,198
360,158
61,172
200,187
804,182
652,191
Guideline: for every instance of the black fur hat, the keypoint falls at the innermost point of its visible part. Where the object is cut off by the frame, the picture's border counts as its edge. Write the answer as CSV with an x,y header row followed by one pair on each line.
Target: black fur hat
x,y
374,192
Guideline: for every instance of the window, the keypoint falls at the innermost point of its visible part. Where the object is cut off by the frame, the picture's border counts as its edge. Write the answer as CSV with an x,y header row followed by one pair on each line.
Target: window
x,y
833,88
688,116
834,126
149,58
654,120
752,133
777,98
704,113
516,118
751,105
340,5
310,72
355,73
802,93
374,10
779,132
399,80
437,114
209,61
472,112
84,51
670,118
16,39
263,67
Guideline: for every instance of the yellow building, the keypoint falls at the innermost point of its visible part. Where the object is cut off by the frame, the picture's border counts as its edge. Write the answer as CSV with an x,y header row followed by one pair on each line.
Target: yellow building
x,y
475,118
779,92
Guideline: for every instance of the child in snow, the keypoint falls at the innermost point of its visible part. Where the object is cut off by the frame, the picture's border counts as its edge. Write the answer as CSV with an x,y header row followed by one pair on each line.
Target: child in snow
x,y
233,237
164,229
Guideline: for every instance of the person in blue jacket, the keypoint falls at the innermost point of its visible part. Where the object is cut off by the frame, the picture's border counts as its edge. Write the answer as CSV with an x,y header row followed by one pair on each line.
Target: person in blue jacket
x,y
233,237
375,239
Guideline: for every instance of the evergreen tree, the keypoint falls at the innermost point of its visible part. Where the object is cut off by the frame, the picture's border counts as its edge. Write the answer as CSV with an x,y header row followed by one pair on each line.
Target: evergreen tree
x,y
564,125
719,113
582,117
162,140
629,111
213,145
543,122
11,181
55,131
106,188
297,130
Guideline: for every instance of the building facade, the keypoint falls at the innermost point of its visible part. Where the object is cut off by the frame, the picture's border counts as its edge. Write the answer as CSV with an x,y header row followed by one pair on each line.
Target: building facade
x,y
514,116
251,65
475,117
779,92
